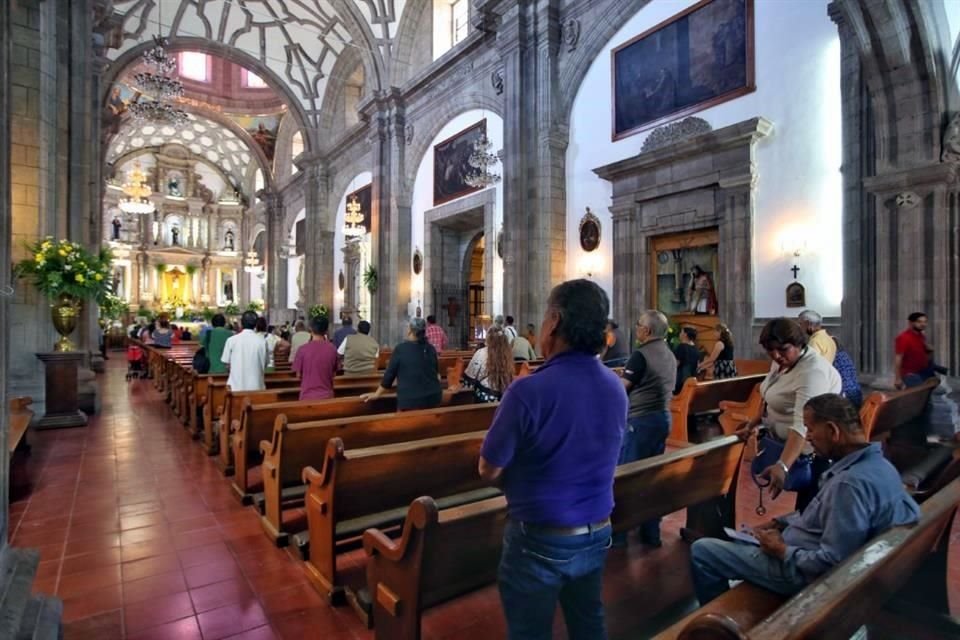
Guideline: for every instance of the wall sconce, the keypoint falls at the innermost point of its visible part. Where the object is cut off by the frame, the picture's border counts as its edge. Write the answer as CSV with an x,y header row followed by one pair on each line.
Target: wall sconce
x,y
589,265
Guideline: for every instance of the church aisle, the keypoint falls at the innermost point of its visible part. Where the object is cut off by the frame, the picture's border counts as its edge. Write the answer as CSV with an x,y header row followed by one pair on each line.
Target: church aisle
x,y
142,538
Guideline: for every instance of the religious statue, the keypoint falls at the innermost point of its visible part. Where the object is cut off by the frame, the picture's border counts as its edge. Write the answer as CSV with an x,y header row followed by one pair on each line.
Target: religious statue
x,y
116,228
228,288
228,240
175,235
173,187
452,308
701,296
300,297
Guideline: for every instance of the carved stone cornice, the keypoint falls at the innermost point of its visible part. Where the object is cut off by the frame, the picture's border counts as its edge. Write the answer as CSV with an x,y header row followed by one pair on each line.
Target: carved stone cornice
x,y
922,178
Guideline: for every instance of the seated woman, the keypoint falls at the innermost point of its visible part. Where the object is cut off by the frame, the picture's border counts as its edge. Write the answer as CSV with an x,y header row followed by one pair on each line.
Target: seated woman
x,y
163,335
490,371
413,365
797,374
720,360
850,384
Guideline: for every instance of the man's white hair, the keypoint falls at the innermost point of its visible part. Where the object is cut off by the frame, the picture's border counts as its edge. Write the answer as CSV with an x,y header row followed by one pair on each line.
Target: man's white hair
x,y
655,322
812,317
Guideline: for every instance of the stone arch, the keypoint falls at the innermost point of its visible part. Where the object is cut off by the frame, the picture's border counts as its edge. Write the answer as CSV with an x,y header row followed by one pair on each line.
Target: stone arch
x,y
341,183
427,128
237,56
375,70
282,158
133,155
345,66
596,34
904,71
410,34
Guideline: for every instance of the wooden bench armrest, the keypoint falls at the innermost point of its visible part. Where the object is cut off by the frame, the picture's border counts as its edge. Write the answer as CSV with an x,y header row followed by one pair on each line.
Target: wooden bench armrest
x,y
376,542
422,512
715,626
20,403
266,446
234,425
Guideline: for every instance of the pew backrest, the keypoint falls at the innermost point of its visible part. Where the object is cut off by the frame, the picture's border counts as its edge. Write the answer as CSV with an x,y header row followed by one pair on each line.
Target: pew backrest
x,y
697,397
882,412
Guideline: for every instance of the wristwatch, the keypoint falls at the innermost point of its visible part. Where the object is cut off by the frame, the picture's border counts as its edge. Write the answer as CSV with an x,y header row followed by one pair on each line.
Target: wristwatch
x,y
783,465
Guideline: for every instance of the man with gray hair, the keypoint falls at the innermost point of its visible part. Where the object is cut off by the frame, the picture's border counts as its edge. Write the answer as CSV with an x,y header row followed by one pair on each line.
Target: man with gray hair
x,y
649,378
819,340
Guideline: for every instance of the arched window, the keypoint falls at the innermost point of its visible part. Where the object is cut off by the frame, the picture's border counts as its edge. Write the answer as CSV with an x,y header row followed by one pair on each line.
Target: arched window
x,y
251,80
258,181
194,65
451,24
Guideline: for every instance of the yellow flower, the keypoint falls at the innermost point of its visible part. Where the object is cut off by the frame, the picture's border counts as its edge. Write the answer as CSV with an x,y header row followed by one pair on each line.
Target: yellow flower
x,y
62,253
98,277
45,246
79,277
39,258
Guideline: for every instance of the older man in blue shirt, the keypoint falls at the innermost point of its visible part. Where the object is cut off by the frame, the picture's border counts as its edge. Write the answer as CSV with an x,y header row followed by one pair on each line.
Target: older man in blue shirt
x,y
860,497
553,446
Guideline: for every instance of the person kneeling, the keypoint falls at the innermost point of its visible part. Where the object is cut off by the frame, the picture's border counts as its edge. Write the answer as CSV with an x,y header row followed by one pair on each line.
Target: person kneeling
x,y
860,497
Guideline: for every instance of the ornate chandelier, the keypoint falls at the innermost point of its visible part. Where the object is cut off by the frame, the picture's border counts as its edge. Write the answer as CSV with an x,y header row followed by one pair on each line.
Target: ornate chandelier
x,y
159,87
137,191
482,160
251,262
353,219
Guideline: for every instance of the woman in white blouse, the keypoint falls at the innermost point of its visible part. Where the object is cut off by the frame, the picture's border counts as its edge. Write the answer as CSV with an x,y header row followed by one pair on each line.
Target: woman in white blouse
x,y
797,374
490,371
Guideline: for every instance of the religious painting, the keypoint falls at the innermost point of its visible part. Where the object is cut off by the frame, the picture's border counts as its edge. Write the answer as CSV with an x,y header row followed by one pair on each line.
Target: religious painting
x,y
263,129
451,164
684,268
796,295
589,232
364,196
118,104
226,292
696,59
417,262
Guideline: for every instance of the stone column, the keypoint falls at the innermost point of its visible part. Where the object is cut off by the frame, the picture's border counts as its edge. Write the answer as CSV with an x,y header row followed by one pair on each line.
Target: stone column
x,y
5,257
391,219
318,257
351,267
276,295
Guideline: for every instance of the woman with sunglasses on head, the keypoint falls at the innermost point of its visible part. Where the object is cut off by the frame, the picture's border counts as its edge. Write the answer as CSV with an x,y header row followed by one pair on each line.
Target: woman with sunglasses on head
x,y
797,373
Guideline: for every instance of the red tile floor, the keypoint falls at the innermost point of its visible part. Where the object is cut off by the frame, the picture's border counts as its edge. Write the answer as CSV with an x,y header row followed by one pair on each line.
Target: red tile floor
x,y
141,537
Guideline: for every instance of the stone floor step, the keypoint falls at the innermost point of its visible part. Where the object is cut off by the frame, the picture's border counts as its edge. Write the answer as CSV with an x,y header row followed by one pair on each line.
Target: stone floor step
x,y
17,570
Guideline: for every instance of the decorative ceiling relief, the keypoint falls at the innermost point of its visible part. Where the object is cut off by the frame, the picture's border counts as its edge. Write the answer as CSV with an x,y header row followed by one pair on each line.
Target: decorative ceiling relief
x,y
298,40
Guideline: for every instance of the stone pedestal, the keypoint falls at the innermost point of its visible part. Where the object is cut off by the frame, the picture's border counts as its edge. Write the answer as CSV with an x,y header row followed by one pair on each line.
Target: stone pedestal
x,y
62,408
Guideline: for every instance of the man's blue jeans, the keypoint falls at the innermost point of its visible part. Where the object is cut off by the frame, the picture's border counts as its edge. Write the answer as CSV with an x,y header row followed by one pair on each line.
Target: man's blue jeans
x,y
537,570
715,562
646,436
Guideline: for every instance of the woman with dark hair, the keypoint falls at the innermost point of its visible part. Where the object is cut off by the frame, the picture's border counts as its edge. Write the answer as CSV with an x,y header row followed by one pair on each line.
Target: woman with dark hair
x,y
797,373
163,335
721,356
490,371
413,365
850,384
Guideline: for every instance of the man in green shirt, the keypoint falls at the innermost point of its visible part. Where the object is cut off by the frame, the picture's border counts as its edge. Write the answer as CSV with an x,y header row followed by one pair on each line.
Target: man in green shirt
x,y
213,342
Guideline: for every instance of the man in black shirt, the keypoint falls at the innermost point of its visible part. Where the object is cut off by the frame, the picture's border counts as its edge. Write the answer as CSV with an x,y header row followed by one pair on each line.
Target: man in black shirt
x,y
688,357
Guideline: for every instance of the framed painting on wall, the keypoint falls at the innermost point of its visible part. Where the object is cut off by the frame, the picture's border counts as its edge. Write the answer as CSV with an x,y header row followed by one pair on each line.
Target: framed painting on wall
x,y
694,60
451,164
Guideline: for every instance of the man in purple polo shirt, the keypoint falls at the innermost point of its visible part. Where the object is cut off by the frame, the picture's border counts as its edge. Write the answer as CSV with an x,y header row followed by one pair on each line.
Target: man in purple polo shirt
x,y
553,447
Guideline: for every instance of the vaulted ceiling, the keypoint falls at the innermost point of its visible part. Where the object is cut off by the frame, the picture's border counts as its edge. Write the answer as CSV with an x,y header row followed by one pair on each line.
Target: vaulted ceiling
x,y
299,41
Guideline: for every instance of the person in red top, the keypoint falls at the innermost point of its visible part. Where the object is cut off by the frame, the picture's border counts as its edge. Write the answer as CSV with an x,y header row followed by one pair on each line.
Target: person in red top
x,y
436,336
316,363
913,363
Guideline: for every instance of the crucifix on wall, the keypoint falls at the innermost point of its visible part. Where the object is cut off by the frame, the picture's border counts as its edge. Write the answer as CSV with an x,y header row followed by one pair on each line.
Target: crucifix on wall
x,y
795,271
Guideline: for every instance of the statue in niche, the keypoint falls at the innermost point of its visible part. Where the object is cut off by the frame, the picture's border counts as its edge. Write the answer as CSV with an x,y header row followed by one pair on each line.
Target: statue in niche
x,y
701,296
300,296
116,228
228,243
175,235
228,287
173,187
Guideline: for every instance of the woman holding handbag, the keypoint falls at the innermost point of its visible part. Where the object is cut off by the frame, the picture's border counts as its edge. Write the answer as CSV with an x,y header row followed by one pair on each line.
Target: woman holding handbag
x,y
784,459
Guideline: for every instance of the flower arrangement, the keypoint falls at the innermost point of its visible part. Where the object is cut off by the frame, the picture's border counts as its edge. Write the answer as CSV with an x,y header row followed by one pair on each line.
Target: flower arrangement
x,y
673,335
256,306
113,307
318,311
231,310
61,267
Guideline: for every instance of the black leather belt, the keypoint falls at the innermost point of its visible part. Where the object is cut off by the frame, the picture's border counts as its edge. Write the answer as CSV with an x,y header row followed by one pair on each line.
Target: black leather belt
x,y
565,531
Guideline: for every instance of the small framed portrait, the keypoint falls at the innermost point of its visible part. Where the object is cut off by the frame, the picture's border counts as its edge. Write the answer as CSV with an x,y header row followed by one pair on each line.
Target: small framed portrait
x,y
341,281
589,232
796,295
417,262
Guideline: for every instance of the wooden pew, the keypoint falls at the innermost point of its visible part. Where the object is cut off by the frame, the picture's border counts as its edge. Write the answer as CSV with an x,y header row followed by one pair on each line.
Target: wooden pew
x,y
295,446
215,402
257,420
752,367
20,417
197,394
882,412
444,553
371,487
233,406
900,572
697,397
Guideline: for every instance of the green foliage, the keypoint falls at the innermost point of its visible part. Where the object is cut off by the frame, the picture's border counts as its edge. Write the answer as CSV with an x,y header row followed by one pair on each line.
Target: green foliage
x,y
318,311
370,278
256,306
113,307
161,268
231,310
191,269
62,267
673,335
208,313
145,313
